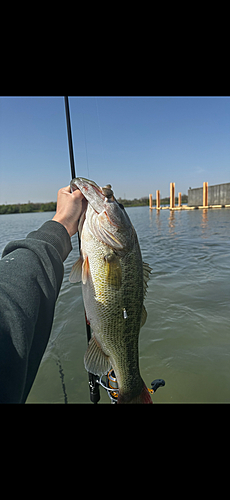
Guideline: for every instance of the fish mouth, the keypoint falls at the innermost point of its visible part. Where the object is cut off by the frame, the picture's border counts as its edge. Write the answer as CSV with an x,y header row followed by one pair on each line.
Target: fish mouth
x,y
106,218
94,194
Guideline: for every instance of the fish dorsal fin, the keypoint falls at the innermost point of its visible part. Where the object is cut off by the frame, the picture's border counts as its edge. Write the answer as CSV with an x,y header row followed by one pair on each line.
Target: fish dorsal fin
x,y
76,271
95,359
146,275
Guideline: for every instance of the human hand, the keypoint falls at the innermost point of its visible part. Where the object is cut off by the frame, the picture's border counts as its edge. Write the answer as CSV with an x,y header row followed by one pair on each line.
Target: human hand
x,y
70,206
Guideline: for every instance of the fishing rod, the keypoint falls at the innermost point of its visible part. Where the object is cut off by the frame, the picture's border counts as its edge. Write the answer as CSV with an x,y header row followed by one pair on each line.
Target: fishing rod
x,y
110,384
70,142
93,385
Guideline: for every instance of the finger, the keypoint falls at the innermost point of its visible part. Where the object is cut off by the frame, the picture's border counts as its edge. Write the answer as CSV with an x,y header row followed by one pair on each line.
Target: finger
x,y
73,186
77,194
66,189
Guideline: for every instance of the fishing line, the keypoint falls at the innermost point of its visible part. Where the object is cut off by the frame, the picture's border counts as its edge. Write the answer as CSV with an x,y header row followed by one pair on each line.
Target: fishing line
x,y
58,362
61,372
99,126
86,151
93,386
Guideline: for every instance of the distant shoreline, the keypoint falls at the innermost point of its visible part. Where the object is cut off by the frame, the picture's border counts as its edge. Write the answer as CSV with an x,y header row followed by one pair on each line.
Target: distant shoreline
x,y
22,208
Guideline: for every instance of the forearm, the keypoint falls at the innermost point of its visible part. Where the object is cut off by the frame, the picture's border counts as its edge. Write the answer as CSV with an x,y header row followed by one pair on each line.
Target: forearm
x,y
31,276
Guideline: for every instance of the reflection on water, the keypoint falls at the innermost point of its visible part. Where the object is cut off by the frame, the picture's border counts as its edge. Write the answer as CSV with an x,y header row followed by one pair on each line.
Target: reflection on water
x,y
171,220
186,338
204,221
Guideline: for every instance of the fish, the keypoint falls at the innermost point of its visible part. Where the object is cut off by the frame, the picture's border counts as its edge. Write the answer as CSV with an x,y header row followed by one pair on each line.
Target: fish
x,y
114,284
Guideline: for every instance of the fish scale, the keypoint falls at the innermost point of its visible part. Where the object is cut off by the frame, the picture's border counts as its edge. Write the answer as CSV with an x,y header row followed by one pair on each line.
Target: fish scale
x,y
114,281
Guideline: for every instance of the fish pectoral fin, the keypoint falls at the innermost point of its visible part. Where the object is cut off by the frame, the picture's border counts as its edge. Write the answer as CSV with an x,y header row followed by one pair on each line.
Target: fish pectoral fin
x,y
85,270
143,316
113,270
95,359
76,271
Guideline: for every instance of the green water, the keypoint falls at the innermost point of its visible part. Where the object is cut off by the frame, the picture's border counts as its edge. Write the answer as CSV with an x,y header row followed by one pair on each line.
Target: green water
x,y
186,338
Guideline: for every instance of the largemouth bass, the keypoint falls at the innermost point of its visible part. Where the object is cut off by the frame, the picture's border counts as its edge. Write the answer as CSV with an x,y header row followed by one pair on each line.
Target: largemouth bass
x,y
114,282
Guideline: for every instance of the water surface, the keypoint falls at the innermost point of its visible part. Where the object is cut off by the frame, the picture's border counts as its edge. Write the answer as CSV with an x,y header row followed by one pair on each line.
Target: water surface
x,y
186,338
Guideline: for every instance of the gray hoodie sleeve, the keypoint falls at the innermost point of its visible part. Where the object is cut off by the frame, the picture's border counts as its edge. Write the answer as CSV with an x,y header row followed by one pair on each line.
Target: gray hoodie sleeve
x,y
31,273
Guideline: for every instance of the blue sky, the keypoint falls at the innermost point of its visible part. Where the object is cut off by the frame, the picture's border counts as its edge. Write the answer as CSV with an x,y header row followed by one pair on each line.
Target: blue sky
x,y
136,144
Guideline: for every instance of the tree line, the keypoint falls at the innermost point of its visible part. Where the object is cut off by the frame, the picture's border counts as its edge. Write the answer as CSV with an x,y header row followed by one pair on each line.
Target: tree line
x,y
21,208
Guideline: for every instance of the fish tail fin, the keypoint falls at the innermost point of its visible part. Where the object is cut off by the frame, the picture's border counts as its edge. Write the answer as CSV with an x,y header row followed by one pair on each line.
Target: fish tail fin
x,y
142,398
